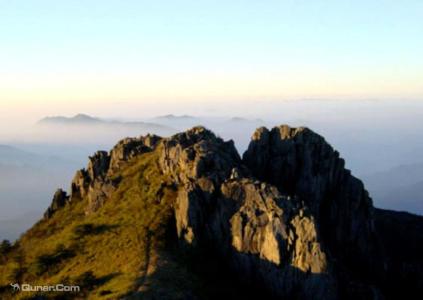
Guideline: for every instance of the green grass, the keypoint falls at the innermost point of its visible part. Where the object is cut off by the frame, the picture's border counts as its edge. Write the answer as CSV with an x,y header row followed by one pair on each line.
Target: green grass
x,y
111,251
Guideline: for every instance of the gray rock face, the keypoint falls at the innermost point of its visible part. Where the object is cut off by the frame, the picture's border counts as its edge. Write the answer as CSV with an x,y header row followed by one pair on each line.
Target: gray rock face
x,y
198,162
275,241
129,148
301,163
267,224
269,237
198,153
60,199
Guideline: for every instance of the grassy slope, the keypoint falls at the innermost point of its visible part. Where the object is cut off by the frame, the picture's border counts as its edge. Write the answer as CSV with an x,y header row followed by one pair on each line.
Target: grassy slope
x,y
122,244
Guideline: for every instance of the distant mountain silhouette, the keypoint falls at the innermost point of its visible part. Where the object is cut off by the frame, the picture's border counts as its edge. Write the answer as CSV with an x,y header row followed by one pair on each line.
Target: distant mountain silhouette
x,y
245,120
86,120
78,119
180,122
175,117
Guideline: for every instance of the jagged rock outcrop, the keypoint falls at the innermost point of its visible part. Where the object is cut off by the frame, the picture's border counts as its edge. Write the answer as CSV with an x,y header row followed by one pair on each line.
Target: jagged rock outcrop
x,y
198,162
60,199
270,238
287,217
97,182
198,153
300,162
269,225
275,241
129,148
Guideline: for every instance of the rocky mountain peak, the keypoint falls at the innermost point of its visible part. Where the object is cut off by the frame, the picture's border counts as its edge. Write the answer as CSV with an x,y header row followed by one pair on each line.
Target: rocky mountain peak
x,y
198,153
300,162
287,217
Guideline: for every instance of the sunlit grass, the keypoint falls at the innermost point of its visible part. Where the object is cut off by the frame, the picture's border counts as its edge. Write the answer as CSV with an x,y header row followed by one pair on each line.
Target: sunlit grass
x,y
113,243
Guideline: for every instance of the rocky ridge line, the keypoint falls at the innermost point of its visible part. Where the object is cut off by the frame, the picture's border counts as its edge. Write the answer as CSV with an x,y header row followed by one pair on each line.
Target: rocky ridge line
x,y
280,216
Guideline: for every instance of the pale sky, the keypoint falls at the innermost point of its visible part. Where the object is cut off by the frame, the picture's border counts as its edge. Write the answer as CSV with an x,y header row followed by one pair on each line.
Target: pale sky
x,y
78,54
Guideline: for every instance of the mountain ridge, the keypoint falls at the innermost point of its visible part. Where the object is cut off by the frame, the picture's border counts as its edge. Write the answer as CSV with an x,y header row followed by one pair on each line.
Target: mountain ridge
x,y
286,220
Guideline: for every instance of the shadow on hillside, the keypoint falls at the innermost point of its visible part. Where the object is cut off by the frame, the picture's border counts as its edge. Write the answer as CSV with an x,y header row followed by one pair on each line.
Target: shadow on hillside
x,y
92,229
209,271
201,274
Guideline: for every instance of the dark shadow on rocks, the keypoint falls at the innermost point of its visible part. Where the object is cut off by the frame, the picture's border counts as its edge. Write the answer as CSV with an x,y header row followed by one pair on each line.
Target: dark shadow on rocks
x,y
205,272
201,274
402,239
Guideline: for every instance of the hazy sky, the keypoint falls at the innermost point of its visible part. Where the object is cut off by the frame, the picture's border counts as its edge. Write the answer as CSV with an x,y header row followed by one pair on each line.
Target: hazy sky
x,y
78,54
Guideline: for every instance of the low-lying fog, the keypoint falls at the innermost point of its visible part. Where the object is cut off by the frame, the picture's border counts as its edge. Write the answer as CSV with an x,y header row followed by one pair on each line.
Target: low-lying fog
x,y
381,141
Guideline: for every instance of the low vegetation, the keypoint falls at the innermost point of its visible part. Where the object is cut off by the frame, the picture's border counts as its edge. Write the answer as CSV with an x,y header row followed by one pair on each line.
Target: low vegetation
x,y
107,253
